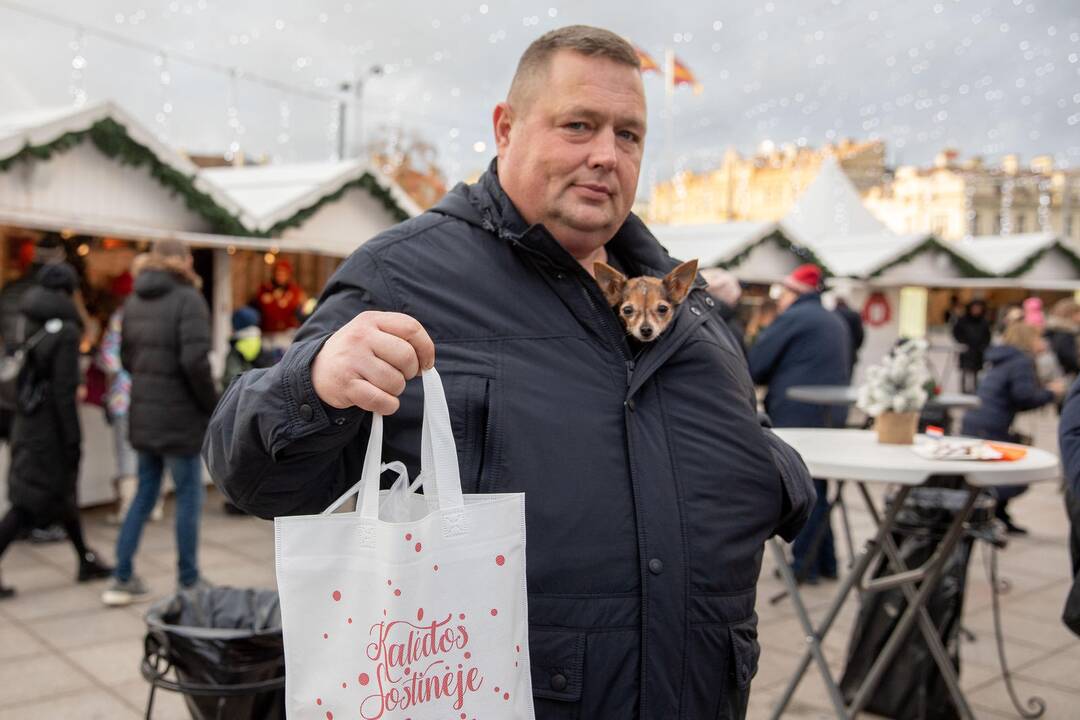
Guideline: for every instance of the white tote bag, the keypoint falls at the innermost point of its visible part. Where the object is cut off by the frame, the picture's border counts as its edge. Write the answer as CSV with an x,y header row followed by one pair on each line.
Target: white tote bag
x,y
416,610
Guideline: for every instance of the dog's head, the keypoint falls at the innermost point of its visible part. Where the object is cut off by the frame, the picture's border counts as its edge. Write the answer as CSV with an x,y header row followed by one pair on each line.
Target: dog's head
x,y
646,305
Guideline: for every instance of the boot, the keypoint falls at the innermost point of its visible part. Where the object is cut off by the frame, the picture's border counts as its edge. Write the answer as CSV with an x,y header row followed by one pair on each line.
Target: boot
x,y
91,567
1010,527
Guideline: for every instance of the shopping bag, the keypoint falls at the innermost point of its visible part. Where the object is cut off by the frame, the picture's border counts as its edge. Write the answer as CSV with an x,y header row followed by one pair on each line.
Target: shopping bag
x,y
416,609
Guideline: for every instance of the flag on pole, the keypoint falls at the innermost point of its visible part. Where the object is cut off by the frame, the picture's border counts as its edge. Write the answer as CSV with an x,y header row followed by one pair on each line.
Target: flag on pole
x,y
647,63
681,75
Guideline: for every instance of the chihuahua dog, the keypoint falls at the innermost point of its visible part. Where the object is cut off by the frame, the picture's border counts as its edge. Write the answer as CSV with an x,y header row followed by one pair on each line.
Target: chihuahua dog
x,y
646,305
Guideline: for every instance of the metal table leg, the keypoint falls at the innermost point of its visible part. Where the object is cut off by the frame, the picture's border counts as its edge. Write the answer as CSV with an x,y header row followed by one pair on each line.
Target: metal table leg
x,y
926,624
816,636
934,569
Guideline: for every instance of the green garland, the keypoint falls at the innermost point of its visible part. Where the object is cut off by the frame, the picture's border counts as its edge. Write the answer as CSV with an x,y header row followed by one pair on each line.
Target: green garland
x,y
1036,257
112,140
777,238
967,268
365,181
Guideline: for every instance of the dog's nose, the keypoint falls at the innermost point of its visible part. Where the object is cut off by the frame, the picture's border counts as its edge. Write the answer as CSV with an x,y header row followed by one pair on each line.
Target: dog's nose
x,y
646,332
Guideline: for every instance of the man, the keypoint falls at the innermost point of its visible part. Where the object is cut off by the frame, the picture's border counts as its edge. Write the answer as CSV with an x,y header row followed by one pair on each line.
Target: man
x,y
1069,442
856,333
278,302
165,341
726,291
650,487
806,345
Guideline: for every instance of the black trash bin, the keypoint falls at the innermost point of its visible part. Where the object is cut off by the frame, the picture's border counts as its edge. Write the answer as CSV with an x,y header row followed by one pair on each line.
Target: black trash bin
x,y
224,649
912,687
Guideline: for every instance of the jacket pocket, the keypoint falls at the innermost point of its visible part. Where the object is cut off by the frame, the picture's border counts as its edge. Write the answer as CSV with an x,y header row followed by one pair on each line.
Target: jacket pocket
x,y
745,652
557,664
469,401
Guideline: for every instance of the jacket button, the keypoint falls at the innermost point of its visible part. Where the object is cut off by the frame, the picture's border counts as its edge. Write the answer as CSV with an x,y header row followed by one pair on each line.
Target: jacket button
x,y
306,413
630,404
695,309
339,421
656,566
709,301
558,682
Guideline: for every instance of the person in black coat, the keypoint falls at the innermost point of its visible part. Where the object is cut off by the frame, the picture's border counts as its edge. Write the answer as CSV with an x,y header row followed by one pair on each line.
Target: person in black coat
x,y
651,486
1008,387
805,345
726,290
1069,444
856,333
165,346
973,331
1061,334
45,436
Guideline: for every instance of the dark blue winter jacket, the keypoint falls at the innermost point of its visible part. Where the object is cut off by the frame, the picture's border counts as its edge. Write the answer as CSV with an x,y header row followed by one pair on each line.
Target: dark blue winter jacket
x,y
1069,438
1008,387
805,345
650,488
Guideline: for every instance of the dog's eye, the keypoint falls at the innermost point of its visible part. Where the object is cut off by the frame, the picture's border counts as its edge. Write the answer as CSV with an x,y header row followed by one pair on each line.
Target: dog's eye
x,y
662,309
628,310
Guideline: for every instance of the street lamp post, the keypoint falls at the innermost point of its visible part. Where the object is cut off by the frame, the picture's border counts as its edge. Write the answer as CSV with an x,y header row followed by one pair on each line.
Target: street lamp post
x,y
352,91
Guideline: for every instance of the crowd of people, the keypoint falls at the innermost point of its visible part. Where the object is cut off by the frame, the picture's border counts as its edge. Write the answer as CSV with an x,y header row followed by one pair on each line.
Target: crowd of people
x,y
148,370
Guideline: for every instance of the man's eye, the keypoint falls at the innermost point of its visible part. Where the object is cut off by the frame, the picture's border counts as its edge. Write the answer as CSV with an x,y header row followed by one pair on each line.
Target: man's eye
x,y
576,126
662,309
627,135
628,311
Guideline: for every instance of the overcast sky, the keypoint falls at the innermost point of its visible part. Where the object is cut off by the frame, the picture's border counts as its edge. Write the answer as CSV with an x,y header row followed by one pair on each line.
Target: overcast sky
x,y
988,77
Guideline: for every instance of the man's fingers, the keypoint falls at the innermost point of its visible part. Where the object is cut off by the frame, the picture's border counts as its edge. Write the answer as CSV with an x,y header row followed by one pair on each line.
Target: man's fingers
x,y
396,352
410,330
366,396
383,375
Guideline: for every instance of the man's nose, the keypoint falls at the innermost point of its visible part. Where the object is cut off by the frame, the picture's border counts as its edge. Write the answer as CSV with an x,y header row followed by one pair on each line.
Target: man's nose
x,y
603,153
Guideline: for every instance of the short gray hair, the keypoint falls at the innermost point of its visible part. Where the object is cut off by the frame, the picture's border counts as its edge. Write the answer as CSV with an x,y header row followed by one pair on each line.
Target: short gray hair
x,y
582,39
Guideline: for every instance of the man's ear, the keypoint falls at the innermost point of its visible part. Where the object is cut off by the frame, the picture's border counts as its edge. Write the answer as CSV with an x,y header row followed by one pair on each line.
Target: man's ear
x,y
502,119
611,282
678,281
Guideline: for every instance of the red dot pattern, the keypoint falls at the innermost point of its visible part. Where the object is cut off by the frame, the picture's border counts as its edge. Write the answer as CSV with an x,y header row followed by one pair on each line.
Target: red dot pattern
x,y
418,547
500,560
337,596
397,593
420,614
318,701
408,536
349,620
325,636
363,679
329,715
494,612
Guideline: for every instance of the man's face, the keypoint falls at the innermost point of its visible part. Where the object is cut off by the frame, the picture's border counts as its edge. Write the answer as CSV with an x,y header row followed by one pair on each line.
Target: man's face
x,y
570,158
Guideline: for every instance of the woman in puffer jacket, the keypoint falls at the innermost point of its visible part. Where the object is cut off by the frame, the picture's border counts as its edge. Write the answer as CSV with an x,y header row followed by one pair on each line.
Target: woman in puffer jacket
x,y
1010,386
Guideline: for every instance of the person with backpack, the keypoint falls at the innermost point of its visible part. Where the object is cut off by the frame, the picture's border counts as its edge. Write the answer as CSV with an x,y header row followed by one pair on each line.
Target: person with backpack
x,y
45,435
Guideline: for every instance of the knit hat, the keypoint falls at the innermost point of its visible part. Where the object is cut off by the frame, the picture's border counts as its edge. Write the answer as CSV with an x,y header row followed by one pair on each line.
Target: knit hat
x,y
723,285
245,317
1033,312
804,279
58,276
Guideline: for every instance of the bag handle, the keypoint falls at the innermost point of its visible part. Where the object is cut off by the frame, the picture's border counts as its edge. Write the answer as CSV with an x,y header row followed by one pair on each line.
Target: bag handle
x,y
439,473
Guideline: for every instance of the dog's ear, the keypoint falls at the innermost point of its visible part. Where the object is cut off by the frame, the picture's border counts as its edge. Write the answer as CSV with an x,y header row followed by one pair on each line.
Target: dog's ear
x,y
611,282
678,281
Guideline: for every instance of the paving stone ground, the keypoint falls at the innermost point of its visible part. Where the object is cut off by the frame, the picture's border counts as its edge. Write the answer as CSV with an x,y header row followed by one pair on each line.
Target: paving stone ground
x,y
64,655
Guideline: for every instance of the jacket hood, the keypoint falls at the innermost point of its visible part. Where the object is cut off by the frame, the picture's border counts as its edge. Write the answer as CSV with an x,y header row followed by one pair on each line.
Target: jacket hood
x,y
41,304
486,205
158,275
997,354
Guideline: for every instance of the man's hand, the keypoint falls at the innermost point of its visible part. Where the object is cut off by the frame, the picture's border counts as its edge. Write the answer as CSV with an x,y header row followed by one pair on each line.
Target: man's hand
x,y
366,363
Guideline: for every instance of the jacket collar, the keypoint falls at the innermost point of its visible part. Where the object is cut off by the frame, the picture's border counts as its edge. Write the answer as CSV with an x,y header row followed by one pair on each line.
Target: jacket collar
x,y
486,205
810,298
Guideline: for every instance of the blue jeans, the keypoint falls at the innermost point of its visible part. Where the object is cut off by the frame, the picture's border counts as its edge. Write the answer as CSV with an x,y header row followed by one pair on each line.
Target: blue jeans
x,y
186,471
825,562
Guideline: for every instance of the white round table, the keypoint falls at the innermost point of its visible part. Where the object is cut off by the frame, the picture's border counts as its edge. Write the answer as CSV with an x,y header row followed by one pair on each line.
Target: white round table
x,y
856,455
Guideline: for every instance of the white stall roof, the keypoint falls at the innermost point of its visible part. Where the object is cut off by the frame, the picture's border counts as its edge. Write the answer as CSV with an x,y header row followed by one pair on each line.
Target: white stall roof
x,y
713,243
1004,255
41,127
272,194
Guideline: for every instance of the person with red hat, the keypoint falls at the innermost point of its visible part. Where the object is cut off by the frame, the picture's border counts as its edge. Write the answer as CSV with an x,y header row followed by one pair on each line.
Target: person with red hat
x,y
278,302
805,345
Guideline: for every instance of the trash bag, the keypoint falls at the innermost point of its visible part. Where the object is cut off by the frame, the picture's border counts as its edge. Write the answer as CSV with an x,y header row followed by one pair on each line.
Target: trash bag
x,y
912,687
222,637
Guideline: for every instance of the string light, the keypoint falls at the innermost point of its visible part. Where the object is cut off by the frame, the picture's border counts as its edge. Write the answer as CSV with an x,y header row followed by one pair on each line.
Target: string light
x,y
1044,204
161,62
77,88
233,115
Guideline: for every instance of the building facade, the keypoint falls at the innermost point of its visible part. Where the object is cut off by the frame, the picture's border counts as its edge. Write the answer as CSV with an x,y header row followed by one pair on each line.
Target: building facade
x,y
763,186
955,199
